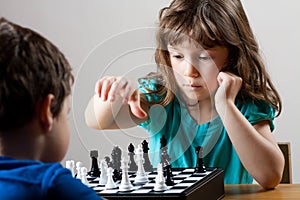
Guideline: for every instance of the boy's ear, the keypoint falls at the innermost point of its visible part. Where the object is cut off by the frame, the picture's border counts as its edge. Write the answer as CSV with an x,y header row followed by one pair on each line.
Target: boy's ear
x,y
45,114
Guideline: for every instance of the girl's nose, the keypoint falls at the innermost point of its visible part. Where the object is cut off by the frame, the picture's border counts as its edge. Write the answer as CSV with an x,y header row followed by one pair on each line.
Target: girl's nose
x,y
190,70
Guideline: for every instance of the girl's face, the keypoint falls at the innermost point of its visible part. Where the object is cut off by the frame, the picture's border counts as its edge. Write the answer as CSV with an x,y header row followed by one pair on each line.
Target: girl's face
x,y
196,69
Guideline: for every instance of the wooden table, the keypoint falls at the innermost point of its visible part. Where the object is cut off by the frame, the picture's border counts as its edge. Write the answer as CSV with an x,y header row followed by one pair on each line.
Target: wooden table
x,y
254,191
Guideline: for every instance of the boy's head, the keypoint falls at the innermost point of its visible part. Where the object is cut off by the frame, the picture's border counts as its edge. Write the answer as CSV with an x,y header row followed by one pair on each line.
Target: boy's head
x,y
31,68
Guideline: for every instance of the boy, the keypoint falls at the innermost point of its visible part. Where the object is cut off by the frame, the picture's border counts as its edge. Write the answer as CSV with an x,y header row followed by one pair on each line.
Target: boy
x,y
35,90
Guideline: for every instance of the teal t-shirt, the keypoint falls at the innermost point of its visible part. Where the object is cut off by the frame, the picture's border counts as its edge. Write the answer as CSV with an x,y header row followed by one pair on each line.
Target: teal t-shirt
x,y
184,134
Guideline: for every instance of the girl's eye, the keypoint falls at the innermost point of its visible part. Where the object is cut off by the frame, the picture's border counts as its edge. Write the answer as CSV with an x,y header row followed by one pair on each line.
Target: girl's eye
x,y
178,56
204,58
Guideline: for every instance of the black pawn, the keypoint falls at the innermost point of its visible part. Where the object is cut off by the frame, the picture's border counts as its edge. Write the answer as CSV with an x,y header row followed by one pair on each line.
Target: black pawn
x,y
131,163
95,172
147,164
200,168
169,176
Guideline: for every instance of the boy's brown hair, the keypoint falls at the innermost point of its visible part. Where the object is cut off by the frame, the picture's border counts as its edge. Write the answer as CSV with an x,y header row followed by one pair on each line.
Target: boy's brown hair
x,y
31,67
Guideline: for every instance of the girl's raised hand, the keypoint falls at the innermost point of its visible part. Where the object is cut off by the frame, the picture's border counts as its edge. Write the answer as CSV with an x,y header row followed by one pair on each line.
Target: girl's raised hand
x,y
229,86
110,87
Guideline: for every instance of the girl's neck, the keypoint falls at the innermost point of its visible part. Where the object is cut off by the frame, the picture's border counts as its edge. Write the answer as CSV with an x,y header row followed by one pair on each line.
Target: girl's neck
x,y
203,111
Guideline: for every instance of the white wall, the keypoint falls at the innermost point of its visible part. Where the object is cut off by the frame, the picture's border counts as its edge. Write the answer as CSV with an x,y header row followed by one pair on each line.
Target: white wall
x,y
116,37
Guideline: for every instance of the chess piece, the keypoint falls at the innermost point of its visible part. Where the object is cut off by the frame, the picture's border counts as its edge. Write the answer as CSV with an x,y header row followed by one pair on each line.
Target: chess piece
x,y
132,165
164,156
116,155
147,164
116,162
117,175
165,160
200,168
108,162
160,184
103,174
95,172
110,182
125,182
70,165
83,173
169,176
163,141
78,170
141,176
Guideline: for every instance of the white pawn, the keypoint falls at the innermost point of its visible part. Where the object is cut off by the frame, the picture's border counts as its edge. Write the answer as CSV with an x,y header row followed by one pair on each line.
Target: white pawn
x,y
83,173
78,169
125,182
141,176
160,184
103,175
110,182
70,166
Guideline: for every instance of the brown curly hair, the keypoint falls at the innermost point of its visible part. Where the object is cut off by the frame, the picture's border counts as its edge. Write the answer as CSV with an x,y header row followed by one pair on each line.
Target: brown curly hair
x,y
211,23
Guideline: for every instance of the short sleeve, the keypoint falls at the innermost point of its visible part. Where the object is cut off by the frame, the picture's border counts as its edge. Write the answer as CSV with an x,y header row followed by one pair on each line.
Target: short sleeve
x,y
149,88
258,111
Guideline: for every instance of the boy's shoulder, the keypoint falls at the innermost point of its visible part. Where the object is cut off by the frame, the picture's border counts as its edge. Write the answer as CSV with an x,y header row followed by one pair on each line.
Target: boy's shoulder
x,y
28,170
32,179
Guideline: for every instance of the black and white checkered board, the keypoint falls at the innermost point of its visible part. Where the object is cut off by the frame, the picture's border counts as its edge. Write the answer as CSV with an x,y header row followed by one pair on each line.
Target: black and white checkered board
x,y
188,185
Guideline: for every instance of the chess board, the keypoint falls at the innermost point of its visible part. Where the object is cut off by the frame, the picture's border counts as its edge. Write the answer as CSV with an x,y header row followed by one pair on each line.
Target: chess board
x,y
188,185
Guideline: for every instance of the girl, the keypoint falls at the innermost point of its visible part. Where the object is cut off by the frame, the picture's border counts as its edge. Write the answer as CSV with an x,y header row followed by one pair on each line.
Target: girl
x,y
211,90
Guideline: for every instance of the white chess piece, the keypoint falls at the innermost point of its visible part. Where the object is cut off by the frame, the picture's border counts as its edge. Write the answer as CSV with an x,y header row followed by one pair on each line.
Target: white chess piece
x,y
110,182
141,176
103,175
78,169
125,182
83,173
160,184
70,166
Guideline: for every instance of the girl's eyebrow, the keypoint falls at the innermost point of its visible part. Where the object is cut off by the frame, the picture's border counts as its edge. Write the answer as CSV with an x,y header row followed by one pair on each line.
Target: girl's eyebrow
x,y
172,48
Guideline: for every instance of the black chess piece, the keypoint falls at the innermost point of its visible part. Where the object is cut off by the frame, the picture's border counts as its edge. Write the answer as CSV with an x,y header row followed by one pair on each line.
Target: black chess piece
x,y
200,168
117,175
147,164
116,158
165,159
163,141
95,172
164,156
169,176
108,162
116,163
132,165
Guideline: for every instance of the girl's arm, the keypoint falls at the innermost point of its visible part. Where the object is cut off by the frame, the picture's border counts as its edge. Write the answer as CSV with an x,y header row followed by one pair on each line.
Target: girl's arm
x,y
115,105
255,145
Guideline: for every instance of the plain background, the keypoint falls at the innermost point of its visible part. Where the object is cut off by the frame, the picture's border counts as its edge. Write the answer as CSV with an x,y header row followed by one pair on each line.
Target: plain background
x,y
117,37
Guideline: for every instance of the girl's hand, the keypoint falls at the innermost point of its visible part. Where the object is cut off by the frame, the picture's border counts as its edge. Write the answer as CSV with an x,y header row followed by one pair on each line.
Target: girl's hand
x,y
111,87
229,86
